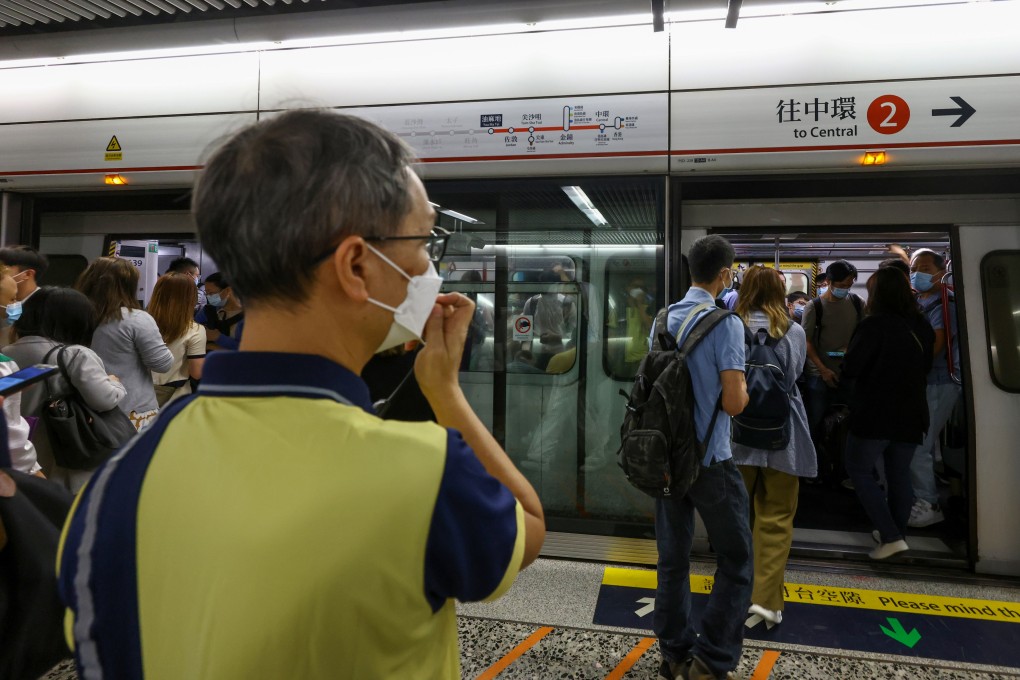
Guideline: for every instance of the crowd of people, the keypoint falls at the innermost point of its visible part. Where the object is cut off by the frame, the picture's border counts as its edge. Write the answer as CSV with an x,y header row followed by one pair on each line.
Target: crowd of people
x,y
267,470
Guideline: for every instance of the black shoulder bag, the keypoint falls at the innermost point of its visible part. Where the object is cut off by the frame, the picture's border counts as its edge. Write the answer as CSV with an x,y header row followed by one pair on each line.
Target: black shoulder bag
x,y
82,437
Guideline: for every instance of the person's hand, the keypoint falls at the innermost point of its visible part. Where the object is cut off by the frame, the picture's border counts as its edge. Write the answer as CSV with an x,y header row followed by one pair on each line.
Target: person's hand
x,y
829,376
438,364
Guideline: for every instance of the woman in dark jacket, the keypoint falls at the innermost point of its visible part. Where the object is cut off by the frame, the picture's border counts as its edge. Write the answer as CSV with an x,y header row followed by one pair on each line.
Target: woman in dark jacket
x,y
888,360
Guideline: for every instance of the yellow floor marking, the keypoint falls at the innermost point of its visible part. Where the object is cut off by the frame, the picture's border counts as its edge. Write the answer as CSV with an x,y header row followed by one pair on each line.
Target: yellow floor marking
x,y
514,654
765,664
838,596
631,659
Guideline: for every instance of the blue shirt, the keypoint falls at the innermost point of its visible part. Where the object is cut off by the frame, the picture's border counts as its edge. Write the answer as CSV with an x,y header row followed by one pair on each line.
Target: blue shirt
x,y
931,307
721,350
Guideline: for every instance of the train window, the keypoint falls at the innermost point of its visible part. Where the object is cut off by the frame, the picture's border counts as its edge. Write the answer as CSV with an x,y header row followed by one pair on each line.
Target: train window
x,y
1000,283
632,292
550,305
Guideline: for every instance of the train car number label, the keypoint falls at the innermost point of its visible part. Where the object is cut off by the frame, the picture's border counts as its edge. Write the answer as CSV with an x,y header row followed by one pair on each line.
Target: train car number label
x,y
524,327
888,114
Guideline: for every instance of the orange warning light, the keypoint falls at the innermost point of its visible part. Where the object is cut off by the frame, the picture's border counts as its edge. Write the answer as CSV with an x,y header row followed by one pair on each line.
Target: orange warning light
x,y
116,179
873,158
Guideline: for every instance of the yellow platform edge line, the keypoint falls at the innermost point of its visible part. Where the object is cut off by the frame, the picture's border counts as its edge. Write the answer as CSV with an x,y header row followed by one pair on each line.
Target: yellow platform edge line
x,y
838,596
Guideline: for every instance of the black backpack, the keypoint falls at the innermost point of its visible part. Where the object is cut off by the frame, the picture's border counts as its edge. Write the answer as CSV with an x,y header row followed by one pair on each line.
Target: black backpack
x,y
765,421
660,453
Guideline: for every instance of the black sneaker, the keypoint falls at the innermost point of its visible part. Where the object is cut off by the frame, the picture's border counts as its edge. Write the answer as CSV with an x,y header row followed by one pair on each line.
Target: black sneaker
x,y
671,670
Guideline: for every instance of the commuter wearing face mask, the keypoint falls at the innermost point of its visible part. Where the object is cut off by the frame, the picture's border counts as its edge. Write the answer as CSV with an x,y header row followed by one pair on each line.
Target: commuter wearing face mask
x,y
277,471
829,322
938,304
222,315
22,452
185,265
795,304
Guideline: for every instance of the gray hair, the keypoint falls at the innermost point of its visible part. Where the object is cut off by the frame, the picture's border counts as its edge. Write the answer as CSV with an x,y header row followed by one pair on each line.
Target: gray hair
x,y
279,194
938,260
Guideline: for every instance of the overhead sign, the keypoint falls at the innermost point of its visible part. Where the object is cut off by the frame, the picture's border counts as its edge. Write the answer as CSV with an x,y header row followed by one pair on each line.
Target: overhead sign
x,y
528,128
524,327
113,150
712,127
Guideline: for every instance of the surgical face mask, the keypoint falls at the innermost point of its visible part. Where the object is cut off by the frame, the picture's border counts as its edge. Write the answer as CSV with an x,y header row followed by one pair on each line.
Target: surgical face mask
x,y
798,312
13,313
637,293
821,290
216,300
840,293
921,281
410,316
727,290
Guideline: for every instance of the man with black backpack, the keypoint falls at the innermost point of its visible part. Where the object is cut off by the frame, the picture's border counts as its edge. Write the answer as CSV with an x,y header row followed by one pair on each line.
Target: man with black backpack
x,y
716,369
829,321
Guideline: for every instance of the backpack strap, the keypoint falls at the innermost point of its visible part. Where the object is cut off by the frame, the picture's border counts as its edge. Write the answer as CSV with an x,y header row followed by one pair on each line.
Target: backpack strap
x,y
947,297
816,305
858,305
703,326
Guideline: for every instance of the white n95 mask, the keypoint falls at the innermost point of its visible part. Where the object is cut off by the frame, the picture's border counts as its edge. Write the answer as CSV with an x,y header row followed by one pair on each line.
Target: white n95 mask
x,y
410,317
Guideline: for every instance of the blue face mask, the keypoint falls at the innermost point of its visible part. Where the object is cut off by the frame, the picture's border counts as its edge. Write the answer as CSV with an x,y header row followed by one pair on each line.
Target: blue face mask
x,y
798,312
216,300
727,290
840,293
920,281
13,313
821,290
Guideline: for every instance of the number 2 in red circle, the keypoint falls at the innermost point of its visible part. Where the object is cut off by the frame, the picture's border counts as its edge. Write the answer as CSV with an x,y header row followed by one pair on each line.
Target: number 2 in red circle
x,y
888,114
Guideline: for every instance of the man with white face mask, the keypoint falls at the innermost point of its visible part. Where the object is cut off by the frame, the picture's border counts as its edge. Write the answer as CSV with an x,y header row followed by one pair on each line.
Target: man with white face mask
x,y
271,523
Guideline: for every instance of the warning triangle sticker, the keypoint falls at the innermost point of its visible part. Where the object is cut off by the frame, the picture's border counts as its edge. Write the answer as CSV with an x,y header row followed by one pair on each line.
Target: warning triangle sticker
x,y
114,145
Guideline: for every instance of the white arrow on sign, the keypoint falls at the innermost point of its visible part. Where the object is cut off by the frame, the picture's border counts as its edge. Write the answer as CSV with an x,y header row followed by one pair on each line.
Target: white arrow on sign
x,y
648,608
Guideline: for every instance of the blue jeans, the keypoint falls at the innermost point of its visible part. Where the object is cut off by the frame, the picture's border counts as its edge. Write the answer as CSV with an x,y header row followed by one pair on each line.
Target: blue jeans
x,y
888,510
721,499
941,401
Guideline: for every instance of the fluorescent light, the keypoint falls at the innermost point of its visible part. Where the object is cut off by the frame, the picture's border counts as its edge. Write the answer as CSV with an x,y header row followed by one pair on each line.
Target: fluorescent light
x,y
459,216
584,204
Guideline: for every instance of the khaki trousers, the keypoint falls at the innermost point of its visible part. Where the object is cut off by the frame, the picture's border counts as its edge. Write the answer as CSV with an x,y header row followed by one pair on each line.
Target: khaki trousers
x,y
773,503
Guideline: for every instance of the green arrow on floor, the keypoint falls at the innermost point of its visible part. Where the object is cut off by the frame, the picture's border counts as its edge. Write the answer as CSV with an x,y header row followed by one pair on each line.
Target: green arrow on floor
x,y
900,635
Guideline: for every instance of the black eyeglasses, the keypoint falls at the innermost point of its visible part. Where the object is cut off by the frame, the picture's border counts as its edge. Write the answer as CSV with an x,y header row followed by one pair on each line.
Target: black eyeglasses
x,y
435,243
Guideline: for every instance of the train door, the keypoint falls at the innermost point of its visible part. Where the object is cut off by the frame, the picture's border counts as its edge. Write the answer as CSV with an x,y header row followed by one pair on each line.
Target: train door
x,y
566,276
988,271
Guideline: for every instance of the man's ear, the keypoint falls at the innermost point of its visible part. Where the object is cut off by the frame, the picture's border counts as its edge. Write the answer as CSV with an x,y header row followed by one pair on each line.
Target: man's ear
x,y
349,262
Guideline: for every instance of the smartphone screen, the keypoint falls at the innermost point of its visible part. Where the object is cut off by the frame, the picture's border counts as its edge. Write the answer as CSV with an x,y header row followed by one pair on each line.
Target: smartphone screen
x,y
19,380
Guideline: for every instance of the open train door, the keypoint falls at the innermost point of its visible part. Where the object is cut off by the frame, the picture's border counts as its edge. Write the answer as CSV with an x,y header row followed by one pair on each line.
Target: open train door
x,y
987,271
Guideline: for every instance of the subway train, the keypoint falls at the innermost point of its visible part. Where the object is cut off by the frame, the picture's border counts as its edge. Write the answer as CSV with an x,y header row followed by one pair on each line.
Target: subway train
x,y
576,153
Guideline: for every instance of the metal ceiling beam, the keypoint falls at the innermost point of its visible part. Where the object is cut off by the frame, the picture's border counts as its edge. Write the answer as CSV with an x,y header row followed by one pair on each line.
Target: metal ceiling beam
x,y
71,7
23,7
105,6
63,11
13,10
169,6
148,7
127,7
10,20
200,6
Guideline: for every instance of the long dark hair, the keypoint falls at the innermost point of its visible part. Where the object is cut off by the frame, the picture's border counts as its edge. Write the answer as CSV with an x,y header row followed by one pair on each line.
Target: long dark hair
x,y
60,314
889,293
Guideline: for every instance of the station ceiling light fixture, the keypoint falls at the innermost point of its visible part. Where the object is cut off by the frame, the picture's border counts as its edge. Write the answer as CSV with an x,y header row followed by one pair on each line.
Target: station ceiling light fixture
x,y
116,179
584,204
873,158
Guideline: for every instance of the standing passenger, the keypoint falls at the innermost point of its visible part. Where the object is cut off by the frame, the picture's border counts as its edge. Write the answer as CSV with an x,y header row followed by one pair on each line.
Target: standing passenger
x,y
171,306
771,476
888,359
53,318
829,322
126,338
938,304
271,526
717,375
27,266
222,316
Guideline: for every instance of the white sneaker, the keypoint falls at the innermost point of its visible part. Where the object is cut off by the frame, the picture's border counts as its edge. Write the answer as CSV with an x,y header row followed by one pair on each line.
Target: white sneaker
x,y
877,536
926,514
888,549
759,614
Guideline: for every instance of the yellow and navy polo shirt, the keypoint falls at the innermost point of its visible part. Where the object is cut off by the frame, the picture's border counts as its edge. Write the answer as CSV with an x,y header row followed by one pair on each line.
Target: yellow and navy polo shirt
x,y
271,526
